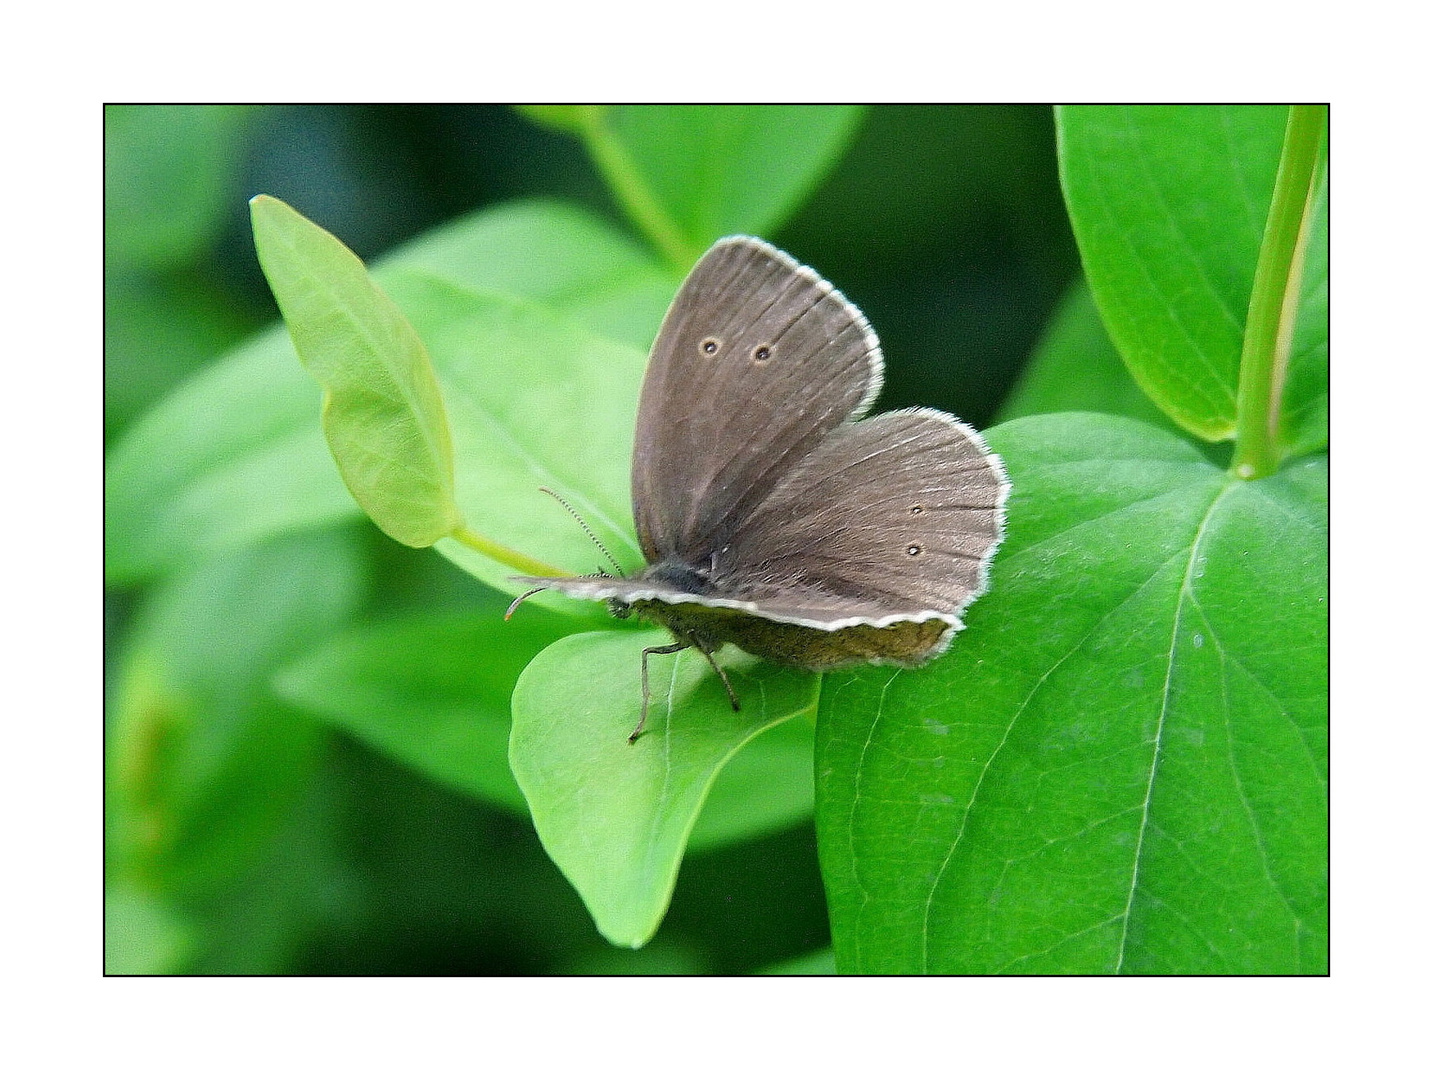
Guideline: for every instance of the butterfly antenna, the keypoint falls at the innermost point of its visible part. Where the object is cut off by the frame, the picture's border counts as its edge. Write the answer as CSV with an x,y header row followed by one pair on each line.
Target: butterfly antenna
x,y
513,606
590,534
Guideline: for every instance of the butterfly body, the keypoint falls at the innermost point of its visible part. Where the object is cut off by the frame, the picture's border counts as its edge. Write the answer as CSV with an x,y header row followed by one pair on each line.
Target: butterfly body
x,y
905,642
771,514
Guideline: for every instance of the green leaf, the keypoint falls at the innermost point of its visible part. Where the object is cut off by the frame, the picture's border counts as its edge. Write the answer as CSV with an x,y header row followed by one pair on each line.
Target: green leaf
x,y
169,170
172,173
382,410
202,761
1169,206
1121,765
430,691
236,454
553,253
158,331
767,787
615,816
231,457
534,400
1076,368
690,174
568,119
142,936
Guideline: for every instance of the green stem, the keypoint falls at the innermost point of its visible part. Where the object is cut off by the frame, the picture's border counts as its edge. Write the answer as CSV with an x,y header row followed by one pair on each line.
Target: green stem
x,y
631,190
1274,304
505,555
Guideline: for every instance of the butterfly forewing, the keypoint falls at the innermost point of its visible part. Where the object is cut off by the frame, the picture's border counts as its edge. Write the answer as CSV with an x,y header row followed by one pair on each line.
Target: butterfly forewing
x,y
758,359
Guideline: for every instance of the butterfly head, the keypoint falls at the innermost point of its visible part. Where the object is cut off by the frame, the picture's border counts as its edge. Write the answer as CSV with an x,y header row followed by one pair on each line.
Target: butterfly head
x,y
680,575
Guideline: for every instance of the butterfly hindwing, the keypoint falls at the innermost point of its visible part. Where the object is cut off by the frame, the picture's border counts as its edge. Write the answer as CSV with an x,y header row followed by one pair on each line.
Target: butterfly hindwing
x,y
895,515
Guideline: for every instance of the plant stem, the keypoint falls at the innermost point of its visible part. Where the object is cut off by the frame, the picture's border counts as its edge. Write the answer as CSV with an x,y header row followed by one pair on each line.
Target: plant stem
x,y
631,190
1274,304
505,555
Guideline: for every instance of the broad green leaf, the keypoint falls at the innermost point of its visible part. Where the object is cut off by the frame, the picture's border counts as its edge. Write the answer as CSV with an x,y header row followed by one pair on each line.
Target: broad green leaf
x,y
1121,765
430,691
690,174
168,172
157,332
615,816
382,410
236,453
1169,206
1076,368
555,253
202,761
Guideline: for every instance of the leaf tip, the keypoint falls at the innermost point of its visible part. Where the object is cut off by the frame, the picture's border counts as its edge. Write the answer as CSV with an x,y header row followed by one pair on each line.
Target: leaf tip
x,y
262,203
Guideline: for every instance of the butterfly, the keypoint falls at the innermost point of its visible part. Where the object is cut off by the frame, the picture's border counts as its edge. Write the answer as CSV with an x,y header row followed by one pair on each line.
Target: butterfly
x,y
772,514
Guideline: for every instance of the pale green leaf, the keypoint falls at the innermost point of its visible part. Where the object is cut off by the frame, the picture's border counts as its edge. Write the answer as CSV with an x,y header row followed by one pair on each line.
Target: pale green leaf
x,y
236,453
382,410
615,816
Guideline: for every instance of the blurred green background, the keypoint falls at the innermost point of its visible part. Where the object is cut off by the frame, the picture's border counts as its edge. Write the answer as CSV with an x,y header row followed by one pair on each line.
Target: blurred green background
x,y
297,849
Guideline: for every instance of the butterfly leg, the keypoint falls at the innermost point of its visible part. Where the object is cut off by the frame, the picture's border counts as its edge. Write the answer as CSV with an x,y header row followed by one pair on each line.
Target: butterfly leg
x,y
711,659
676,646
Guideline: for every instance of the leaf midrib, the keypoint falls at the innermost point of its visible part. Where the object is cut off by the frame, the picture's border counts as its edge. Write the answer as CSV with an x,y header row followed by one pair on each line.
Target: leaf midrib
x,y
1185,595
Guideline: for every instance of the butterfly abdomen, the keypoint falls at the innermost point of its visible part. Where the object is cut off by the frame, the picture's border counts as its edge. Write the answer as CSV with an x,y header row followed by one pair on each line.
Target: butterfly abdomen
x,y
905,643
